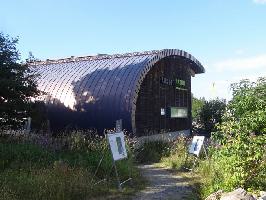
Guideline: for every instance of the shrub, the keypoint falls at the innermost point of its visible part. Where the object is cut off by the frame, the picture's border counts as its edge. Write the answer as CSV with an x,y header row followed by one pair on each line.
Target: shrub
x,y
240,161
152,151
179,157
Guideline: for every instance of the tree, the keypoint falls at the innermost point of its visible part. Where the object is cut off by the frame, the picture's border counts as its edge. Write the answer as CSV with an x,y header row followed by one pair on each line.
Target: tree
x,y
211,114
242,155
197,105
17,84
207,114
249,105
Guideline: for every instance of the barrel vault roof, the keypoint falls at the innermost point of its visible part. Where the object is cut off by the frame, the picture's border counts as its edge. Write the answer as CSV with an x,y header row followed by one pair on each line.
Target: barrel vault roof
x,y
104,80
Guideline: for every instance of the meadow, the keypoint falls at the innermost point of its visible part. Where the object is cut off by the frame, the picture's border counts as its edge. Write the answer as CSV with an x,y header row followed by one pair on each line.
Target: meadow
x,y
62,167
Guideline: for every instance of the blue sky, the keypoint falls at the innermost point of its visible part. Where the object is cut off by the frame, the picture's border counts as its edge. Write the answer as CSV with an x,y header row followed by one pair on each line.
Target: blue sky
x,y
227,36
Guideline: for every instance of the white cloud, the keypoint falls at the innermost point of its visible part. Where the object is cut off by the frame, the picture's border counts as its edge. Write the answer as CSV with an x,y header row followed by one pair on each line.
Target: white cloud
x,y
260,1
243,63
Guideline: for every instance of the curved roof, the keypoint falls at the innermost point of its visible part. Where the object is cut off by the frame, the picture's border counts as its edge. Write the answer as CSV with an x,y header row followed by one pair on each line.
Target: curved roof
x,y
106,82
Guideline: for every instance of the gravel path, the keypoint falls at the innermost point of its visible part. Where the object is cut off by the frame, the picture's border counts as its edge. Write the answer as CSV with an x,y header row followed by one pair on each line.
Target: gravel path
x,y
162,184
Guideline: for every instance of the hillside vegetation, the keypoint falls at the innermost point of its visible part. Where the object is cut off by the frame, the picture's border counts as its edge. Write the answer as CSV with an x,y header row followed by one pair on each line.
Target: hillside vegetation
x,y
62,168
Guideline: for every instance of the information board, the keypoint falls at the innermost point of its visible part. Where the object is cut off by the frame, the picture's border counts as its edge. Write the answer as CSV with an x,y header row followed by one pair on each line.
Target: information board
x,y
196,145
117,145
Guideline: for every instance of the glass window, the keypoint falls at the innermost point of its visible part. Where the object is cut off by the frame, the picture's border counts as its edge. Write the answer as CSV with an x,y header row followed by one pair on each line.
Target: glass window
x,y
178,112
162,111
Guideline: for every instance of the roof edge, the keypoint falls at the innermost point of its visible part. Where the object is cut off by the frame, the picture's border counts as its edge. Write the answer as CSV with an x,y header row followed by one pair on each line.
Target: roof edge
x,y
170,52
91,57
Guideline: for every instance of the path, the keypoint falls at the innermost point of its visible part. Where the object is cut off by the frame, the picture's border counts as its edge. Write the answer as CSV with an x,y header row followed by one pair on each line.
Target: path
x,y
162,184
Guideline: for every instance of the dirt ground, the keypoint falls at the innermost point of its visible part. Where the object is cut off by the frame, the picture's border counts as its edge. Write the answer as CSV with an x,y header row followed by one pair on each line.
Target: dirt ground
x,y
163,184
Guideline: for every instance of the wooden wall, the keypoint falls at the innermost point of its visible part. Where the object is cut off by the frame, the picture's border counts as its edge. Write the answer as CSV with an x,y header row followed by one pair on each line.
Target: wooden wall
x,y
155,95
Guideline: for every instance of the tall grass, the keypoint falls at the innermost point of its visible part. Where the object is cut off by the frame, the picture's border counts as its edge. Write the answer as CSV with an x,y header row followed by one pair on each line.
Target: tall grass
x,y
152,151
61,168
218,171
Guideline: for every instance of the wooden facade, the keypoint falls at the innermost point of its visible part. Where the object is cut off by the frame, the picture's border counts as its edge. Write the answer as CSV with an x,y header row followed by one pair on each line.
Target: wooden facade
x,y
155,95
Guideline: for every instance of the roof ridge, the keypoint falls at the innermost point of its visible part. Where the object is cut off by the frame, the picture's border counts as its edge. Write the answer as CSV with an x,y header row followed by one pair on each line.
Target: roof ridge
x,y
91,57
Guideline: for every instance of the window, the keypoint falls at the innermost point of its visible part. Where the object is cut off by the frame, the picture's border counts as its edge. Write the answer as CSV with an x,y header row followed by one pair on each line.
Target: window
x,y
178,112
162,111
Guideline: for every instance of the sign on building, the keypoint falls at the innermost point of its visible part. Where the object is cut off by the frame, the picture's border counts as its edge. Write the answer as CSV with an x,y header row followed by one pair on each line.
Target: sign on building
x,y
117,145
196,145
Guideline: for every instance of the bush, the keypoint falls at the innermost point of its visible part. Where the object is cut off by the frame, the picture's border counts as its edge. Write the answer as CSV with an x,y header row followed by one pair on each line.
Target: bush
x,y
207,115
179,157
152,151
169,154
240,161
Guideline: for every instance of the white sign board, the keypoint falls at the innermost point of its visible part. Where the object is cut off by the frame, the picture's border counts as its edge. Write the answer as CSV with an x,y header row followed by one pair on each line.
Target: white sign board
x,y
117,145
196,145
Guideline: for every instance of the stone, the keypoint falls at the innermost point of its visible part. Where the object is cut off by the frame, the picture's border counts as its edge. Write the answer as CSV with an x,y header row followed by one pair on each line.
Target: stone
x,y
215,195
238,194
262,195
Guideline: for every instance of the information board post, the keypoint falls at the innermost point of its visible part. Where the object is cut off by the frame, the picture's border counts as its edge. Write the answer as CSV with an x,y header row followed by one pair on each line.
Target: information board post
x,y
117,177
118,148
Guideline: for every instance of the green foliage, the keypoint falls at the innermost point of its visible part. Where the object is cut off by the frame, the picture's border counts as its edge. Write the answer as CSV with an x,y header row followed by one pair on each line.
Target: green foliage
x,y
17,84
39,115
197,105
248,106
52,183
211,114
240,161
178,159
28,171
207,115
152,151
18,155
172,154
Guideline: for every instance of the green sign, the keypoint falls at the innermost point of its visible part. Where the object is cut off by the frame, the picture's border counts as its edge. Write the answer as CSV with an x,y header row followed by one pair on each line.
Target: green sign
x,y
180,83
177,83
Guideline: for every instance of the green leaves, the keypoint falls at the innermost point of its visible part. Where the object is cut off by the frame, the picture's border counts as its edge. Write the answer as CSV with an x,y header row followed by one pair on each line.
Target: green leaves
x,y
208,113
248,105
17,84
242,156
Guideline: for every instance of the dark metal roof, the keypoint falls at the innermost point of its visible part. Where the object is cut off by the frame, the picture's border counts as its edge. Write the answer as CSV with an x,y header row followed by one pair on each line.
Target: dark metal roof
x,y
107,83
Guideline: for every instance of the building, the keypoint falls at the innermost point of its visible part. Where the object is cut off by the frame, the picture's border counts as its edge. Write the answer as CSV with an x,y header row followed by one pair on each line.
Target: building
x,y
149,91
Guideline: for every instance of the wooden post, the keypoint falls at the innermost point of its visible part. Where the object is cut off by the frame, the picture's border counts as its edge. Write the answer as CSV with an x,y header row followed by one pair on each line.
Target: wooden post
x,y
117,178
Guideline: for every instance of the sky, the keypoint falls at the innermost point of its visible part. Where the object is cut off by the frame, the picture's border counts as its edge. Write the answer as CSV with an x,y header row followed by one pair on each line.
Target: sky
x,y
227,36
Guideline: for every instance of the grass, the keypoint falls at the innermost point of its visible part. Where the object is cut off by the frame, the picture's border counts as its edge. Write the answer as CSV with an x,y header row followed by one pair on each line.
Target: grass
x,y
174,156
208,175
29,171
151,152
